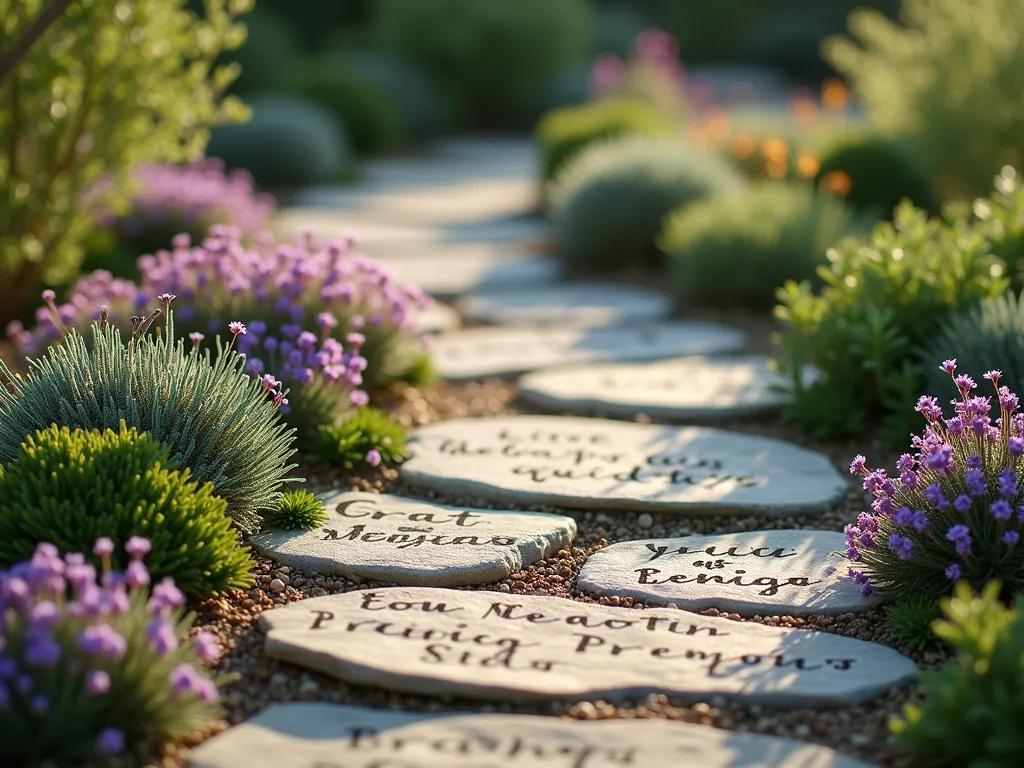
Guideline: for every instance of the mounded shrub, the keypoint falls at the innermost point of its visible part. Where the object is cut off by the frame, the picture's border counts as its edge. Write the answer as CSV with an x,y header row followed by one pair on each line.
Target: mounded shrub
x,y
70,488
951,510
287,142
987,336
94,667
883,297
271,46
425,111
565,132
222,425
874,172
972,707
492,59
609,204
369,115
740,249
948,77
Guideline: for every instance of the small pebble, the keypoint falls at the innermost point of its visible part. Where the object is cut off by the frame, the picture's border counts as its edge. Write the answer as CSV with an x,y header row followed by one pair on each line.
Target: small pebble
x,y
277,585
645,520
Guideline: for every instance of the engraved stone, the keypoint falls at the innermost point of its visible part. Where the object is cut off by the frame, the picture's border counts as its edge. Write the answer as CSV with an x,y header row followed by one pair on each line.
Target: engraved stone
x,y
493,646
580,304
592,463
405,541
687,388
500,351
768,573
318,735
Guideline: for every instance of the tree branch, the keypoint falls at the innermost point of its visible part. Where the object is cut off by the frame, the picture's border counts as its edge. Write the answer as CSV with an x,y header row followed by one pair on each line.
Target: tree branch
x,y
36,29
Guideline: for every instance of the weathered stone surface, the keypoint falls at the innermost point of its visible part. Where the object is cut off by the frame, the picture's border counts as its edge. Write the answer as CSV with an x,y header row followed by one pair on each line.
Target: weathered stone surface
x,y
405,541
436,318
481,352
768,573
598,463
317,735
585,304
697,388
489,645
448,270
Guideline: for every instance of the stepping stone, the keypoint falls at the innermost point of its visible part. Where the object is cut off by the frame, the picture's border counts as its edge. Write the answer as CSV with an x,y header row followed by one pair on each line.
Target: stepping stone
x,y
509,229
449,270
689,388
436,318
315,734
479,352
765,573
376,536
581,304
594,463
504,647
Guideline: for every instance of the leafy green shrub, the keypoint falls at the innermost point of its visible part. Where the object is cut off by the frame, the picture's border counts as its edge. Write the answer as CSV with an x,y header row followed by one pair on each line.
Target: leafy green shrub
x,y
565,132
882,297
954,511
88,100
216,421
369,115
878,173
94,667
368,438
288,142
774,232
70,488
971,714
987,336
271,46
490,58
609,203
424,109
911,621
949,78
297,510
1001,218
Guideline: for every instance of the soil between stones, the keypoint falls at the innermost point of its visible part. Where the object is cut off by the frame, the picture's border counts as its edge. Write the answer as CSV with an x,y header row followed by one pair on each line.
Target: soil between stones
x,y
861,731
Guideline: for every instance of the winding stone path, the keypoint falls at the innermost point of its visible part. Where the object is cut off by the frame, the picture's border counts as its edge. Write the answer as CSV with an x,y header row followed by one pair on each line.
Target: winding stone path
x,y
579,304
592,463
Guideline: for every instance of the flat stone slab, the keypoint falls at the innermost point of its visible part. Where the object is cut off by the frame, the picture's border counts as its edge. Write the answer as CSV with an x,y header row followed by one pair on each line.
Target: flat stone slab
x,y
567,304
494,646
405,541
318,735
588,463
688,388
437,318
479,352
448,270
766,573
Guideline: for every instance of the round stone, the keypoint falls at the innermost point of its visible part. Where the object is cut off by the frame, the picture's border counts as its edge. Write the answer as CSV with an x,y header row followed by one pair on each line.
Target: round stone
x,y
581,304
683,389
594,463
479,352
766,573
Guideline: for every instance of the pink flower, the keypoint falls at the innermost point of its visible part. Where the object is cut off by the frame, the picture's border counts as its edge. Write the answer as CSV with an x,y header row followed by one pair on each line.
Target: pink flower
x,y
373,458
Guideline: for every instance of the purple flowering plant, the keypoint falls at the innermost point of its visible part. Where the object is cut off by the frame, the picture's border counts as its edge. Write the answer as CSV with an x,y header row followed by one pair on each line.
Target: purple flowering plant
x,y
955,510
91,663
329,322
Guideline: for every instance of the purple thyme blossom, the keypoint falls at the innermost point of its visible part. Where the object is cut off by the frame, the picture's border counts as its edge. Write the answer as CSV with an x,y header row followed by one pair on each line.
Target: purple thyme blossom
x,y
935,497
104,547
110,741
928,407
161,636
960,535
1010,538
1015,446
207,646
921,522
904,517
1001,510
953,572
102,641
1008,484
948,366
962,503
373,457
964,383
138,547
975,479
97,682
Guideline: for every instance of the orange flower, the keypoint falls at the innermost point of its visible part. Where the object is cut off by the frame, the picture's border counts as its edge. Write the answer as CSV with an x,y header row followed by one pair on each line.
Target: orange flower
x,y
837,182
743,147
807,165
834,95
775,150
